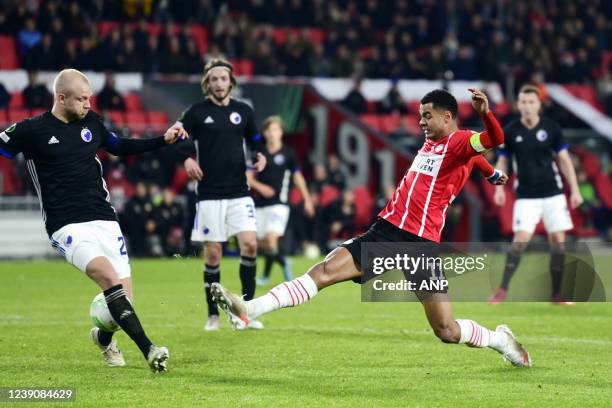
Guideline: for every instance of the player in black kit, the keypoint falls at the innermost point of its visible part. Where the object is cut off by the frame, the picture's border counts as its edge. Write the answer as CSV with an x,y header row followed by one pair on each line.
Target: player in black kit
x,y
219,126
533,142
60,149
271,188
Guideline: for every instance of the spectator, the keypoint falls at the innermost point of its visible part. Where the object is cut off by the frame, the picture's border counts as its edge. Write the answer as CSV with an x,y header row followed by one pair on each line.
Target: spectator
x,y
354,100
29,37
36,95
5,97
335,175
169,220
109,98
393,101
137,221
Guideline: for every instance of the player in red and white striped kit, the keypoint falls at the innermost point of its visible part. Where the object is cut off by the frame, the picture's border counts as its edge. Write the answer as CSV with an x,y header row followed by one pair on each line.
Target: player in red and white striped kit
x,y
416,213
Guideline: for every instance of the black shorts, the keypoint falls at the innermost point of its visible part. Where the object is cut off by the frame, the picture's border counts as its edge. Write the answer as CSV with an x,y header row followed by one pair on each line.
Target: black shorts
x,y
399,242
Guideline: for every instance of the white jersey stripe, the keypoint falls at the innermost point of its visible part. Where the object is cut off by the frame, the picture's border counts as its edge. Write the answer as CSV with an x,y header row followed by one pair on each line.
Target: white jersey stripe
x,y
408,200
431,187
34,176
108,197
284,192
394,198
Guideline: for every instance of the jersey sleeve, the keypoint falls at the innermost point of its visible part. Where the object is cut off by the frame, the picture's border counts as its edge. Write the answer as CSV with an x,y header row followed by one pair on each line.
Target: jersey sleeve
x,y
558,143
13,139
120,146
292,162
251,134
188,120
506,149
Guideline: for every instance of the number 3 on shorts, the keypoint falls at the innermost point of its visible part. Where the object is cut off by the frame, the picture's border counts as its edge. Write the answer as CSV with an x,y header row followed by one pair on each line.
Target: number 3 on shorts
x,y
250,211
122,250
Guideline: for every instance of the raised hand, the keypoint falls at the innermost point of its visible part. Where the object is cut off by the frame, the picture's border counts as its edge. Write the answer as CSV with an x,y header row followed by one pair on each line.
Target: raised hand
x,y
480,102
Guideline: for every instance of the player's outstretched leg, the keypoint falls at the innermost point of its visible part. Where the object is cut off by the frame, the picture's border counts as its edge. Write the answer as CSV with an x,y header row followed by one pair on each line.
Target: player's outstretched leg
x,y
338,266
102,272
439,314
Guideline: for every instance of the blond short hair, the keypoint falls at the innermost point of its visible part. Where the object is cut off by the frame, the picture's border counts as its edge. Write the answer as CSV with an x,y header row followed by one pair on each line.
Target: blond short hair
x,y
272,119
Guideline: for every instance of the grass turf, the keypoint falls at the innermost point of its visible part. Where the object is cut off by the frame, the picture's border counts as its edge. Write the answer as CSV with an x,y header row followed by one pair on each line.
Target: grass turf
x,y
334,350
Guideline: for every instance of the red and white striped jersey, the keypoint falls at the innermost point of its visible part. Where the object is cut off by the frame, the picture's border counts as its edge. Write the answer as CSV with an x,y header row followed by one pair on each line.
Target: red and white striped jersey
x,y
434,179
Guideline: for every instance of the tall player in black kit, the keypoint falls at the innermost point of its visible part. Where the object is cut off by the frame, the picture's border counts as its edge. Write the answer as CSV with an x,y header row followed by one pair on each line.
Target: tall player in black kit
x,y
534,142
60,149
271,188
219,127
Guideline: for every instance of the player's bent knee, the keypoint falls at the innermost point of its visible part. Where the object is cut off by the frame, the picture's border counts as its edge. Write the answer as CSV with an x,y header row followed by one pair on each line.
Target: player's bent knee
x,y
445,333
248,248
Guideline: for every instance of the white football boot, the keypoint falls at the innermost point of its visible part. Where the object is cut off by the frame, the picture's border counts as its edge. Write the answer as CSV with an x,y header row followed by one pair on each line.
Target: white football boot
x,y
212,324
513,352
111,353
232,305
157,358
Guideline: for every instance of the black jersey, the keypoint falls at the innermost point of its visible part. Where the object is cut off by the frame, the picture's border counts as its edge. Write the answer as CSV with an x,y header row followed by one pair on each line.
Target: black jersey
x,y
218,134
532,152
277,174
62,161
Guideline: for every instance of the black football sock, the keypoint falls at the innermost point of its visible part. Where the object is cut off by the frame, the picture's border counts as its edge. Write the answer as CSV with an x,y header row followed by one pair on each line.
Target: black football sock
x,y
212,274
557,260
248,267
512,261
104,337
269,261
280,258
122,311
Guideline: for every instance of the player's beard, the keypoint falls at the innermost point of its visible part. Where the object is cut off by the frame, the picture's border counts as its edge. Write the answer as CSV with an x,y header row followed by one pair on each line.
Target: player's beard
x,y
220,98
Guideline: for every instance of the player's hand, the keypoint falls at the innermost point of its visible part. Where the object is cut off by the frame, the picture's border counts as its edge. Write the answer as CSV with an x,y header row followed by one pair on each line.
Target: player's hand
x,y
193,169
576,200
309,209
260,164
480,102
499,178
499,197
174,133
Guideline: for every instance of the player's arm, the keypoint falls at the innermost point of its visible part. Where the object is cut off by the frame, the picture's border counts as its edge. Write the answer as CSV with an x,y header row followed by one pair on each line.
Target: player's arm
x,y
120,146
260,188
185,125
493,134
493,175
567,169
12,139
300,183
255,142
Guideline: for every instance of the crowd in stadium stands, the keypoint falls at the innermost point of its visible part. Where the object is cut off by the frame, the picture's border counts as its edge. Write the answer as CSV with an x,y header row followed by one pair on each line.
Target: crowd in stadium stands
x,y
563,41
537,40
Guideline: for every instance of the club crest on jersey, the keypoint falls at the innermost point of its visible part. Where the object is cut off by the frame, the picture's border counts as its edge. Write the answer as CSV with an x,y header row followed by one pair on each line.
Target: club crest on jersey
x,y
439,148
541,135
279,159
518,139
86,135
235,118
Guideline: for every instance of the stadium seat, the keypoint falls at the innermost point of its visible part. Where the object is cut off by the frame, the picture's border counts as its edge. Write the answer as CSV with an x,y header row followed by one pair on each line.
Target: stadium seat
x,y
200,36
136,121
295,197
413,107
317,35
105,27
603,186
10,183
328,195
3,117
501,110
390,123
157,120
245,68
16,101
372,120
116,117
38,111
9,58
93,101
364,205
465,111
133,102
17,115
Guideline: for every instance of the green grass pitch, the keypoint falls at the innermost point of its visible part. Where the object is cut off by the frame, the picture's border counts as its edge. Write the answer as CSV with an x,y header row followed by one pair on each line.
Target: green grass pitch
x,y
333,351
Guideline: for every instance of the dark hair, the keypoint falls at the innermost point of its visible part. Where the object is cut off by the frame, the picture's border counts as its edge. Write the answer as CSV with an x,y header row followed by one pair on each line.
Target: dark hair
x,y
441,99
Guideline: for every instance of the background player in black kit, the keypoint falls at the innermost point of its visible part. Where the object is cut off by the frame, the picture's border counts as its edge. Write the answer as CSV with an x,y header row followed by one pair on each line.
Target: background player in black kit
x,y
219,126
60,149
533,142
271,188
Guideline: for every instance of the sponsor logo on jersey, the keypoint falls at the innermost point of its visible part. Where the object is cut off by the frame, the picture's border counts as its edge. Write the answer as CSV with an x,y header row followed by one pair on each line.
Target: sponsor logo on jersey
x,y
209,120
86,135
427,163
11,128
279,159
541,135
235,118
53,140
518,139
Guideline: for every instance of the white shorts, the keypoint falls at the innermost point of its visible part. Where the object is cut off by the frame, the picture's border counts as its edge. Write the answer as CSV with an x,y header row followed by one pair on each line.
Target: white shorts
x,y
272,219
553,210
80,243
217,220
